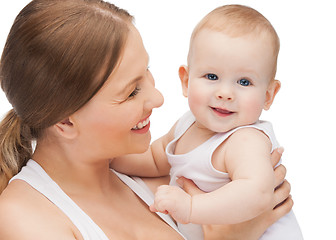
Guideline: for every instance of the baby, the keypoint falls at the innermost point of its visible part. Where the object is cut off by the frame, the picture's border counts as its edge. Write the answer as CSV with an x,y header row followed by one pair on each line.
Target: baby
x,y
220,143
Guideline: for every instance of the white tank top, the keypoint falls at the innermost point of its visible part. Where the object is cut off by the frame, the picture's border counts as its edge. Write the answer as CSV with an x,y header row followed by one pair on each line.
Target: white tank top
x,y
35,176
197,166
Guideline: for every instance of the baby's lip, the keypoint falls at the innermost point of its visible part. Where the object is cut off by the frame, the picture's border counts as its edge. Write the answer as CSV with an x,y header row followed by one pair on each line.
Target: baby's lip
x,y
222,110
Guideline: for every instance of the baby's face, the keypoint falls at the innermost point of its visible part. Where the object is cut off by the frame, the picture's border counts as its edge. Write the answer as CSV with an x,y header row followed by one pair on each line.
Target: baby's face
x,y
228,79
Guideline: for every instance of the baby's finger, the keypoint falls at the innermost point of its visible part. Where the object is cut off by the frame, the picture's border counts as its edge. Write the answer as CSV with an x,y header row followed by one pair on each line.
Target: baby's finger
x,y
189,186
152,208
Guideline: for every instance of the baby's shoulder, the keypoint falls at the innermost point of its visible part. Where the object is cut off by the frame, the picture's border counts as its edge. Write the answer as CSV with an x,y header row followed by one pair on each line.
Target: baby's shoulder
x,y
243,139
247,135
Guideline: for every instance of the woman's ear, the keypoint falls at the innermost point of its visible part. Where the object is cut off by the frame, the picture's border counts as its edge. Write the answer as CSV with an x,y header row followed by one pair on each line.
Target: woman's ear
x,y
66,128
184,77
273,89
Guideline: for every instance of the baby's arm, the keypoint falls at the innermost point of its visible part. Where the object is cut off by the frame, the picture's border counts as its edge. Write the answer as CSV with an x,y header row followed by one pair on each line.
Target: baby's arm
x,y
247,159
152,163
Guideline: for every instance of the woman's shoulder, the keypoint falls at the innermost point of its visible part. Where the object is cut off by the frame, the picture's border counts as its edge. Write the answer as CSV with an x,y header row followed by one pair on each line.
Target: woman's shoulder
x,y
25,213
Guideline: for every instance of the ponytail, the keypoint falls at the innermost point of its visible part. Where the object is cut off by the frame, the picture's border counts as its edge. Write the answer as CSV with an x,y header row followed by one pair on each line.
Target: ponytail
x,y
15,147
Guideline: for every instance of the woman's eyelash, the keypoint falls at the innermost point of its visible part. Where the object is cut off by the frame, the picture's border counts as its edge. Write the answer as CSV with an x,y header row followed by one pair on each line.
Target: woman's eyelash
x,y
135,92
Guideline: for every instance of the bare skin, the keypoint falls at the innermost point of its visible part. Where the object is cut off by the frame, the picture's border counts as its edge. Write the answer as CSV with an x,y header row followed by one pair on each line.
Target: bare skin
x,y
35,210
76,153
250,230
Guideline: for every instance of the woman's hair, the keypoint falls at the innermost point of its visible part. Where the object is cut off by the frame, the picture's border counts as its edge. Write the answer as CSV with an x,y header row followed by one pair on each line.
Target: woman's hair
x,y
238,20
58,54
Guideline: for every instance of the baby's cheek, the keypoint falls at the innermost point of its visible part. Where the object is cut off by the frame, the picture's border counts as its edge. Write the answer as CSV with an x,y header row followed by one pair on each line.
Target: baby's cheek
x,y
197,95
254,109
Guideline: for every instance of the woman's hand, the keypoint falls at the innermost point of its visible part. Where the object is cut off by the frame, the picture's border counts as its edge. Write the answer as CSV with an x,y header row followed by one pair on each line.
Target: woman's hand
x,y
254,228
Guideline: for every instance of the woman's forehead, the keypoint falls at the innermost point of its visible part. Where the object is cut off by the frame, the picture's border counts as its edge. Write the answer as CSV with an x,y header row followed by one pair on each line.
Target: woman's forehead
x,y
133,61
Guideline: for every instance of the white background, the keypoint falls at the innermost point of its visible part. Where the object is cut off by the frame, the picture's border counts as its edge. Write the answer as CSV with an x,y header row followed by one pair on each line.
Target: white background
x,y
302,114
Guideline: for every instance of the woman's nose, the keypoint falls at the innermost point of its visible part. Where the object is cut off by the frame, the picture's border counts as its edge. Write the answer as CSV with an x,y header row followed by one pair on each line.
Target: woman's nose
x,y
154,96
157,98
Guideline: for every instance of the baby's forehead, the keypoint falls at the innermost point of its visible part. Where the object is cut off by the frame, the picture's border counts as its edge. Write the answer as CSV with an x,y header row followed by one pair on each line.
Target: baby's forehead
x,y
214,48
204,34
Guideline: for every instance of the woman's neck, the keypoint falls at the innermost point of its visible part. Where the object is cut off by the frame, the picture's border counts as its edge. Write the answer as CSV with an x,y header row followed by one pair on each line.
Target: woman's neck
x,y
74,172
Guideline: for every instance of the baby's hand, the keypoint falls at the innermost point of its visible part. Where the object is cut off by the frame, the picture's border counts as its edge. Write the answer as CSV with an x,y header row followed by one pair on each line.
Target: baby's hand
x,y
172,200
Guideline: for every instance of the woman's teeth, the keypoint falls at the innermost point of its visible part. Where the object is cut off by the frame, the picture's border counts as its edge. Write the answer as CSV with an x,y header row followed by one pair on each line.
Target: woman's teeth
x,y
141,124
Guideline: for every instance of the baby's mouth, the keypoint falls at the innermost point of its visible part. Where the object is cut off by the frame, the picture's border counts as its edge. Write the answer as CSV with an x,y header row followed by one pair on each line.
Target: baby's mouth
x,y
221,111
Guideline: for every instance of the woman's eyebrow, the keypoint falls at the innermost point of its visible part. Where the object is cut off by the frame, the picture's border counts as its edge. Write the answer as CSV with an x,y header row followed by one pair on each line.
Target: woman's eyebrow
x,y
129,84
132,81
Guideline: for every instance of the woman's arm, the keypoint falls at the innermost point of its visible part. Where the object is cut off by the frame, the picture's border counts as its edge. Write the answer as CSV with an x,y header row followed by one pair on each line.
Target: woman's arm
x,y
152,163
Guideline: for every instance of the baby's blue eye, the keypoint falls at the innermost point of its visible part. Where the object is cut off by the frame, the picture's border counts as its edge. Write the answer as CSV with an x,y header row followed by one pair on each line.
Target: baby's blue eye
x,y
244,82
211,76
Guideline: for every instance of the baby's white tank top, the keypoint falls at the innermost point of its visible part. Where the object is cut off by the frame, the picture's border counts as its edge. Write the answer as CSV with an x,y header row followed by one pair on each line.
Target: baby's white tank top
x,y
35,176
197,166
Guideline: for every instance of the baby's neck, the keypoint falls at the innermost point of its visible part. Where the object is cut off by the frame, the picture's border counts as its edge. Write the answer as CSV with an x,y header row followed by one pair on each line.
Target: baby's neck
x,y
192,138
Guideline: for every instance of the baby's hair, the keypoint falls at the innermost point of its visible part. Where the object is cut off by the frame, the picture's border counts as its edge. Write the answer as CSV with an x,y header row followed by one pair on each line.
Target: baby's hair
x,y
57,56
236,21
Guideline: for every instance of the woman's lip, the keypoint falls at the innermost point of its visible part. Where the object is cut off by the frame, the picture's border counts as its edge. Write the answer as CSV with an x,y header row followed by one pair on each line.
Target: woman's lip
x,y
144,118
142,123
142,130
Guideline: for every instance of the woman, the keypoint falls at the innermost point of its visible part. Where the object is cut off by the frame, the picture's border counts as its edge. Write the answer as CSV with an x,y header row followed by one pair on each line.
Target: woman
x,y
75,72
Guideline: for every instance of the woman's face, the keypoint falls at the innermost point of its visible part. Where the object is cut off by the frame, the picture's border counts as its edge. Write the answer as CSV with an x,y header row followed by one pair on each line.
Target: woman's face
x,y
116,120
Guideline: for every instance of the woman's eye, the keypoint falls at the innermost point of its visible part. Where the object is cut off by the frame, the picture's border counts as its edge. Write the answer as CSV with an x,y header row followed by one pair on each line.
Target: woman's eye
x,y
135,92
211,76
244,82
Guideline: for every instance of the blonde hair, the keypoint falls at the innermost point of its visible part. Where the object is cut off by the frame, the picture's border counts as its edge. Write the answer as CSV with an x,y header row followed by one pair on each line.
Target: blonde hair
x,y
238,20
57,56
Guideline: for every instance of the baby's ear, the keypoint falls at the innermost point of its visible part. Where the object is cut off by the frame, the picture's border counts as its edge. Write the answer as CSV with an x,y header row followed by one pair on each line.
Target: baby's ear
x,y
66,128
184,77
273,89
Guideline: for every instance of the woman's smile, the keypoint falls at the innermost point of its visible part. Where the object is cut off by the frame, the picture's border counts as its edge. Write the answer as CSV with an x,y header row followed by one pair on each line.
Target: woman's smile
x,y
142,126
